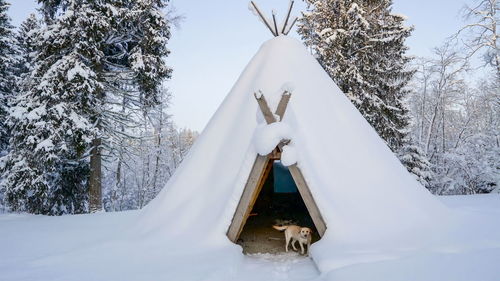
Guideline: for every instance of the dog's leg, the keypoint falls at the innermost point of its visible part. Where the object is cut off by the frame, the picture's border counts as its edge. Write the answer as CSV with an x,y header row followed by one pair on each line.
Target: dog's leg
x,y
287,240
308,246
301,248
293,244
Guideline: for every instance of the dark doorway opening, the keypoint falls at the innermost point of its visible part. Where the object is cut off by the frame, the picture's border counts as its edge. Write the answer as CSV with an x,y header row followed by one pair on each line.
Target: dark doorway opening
x,y
278,203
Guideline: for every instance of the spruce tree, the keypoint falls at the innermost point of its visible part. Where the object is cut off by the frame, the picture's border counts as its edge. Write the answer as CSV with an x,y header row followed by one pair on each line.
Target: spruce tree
x,y
26,44
360,44
54,120
50,8
133,70
90,53
7,69
413,158
147,57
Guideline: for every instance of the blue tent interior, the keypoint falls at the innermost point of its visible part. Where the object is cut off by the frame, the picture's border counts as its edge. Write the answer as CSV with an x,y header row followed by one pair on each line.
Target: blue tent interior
x,y
283,181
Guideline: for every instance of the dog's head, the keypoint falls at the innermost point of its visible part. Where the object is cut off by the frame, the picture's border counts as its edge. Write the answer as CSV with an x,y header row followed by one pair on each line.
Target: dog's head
x,y
305,232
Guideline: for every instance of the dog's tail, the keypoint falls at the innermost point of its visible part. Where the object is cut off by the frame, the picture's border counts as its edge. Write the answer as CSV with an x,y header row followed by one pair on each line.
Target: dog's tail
x,y
280,228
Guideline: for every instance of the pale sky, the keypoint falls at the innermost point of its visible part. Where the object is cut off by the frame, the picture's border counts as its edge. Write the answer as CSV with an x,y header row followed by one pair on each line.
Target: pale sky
x,y
219,37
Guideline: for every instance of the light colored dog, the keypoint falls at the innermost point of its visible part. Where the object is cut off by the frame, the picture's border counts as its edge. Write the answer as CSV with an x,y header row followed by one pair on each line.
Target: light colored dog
x,y
296,233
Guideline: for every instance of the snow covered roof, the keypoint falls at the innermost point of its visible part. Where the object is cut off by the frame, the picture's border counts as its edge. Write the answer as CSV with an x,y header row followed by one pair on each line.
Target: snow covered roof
x,y
365,195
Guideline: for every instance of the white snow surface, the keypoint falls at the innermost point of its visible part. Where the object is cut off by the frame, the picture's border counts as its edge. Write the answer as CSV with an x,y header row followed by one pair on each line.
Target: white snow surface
x,y
382,224
288,87
46,144
289,155
79,70
103,247
267,137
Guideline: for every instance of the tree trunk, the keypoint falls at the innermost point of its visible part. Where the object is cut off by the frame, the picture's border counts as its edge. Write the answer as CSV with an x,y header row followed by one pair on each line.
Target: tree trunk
x,y
95,189
158,156
443,125
114,195
430,129
422,113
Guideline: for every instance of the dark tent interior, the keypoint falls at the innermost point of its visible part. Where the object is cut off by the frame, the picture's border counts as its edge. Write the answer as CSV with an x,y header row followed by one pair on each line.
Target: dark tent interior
x,y
278,203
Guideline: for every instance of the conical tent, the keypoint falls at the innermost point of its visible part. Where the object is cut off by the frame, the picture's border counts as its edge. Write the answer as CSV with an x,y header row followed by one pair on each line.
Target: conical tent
x,y
362,191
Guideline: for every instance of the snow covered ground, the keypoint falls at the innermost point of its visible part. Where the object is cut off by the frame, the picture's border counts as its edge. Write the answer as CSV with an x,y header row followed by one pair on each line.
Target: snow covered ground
x,y
101,247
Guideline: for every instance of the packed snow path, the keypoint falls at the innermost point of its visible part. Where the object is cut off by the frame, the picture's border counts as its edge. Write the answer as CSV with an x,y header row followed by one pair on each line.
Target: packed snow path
x,y
275,267
98,247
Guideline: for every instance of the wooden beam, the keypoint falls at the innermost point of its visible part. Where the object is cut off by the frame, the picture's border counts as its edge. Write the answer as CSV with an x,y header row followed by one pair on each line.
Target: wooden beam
x,y
280,111
282,105
306,195
264,107
276,154
250,193
281,144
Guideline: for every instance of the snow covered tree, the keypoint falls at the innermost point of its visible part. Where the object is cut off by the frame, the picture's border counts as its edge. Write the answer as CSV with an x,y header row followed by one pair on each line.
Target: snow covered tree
x,y
413,158
50,8
26,38
360,44
134,71
7,68
456,124
146,59
102,64
54,121
136,174
481,35
120,45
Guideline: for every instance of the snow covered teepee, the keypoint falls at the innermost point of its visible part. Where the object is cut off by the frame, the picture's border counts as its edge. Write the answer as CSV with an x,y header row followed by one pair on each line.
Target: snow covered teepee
x,y
363,193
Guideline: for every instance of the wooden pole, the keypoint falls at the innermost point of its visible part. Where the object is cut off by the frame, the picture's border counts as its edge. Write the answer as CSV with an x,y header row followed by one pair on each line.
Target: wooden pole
x,y
291,25
287,17
263,18
275,25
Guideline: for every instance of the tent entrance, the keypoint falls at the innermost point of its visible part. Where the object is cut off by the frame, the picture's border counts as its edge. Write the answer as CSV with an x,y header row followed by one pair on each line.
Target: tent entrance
x,y
278,203
275,204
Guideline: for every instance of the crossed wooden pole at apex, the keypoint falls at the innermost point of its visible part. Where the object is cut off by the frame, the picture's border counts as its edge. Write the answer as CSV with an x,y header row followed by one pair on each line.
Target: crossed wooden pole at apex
x,y
274,28
271,118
